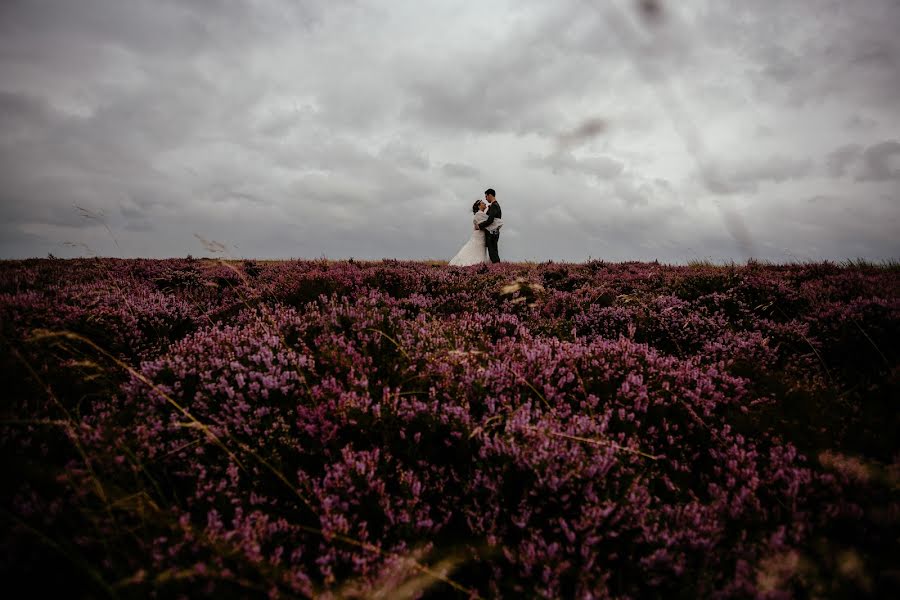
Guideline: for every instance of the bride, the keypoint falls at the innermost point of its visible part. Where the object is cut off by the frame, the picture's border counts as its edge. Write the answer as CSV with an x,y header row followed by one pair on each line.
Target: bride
x,y
475,250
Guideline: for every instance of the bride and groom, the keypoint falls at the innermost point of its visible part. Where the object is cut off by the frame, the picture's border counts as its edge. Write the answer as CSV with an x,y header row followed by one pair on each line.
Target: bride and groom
x,y
482,245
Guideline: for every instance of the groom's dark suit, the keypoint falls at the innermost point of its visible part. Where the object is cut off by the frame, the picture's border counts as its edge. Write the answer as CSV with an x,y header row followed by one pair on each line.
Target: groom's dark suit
x,y
491,239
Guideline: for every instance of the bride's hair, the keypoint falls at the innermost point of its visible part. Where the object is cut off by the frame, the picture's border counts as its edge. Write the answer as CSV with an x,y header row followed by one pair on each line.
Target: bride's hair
x,y
475,206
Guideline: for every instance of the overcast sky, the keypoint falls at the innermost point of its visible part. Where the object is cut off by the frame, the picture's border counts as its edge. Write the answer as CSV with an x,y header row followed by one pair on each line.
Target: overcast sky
x,y
714,130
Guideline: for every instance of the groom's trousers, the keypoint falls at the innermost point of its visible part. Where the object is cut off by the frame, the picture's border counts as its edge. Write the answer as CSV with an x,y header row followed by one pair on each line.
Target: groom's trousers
x,y
490,241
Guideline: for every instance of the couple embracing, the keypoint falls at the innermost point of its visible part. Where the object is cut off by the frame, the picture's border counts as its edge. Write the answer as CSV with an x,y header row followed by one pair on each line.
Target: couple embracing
x,y
487,221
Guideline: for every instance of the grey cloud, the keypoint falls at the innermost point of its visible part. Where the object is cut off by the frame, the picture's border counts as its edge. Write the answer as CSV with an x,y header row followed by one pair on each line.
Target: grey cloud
x,y
140,225
601,167
159,27
782,66
875,53
284,123
131,211
635,191
836,225
632,194
860,122
302,129
222,194
773,169
405,155
460,170
854,55
746,176
17,243
878,162
135,218
840,160
22,114
516,83
882,162
586,131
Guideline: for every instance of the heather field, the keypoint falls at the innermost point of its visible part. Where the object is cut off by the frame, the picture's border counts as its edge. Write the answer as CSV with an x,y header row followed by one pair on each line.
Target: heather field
x,y
185,428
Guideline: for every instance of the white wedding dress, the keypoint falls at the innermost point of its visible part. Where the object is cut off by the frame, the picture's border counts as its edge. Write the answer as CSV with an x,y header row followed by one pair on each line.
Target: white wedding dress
x,y
475,250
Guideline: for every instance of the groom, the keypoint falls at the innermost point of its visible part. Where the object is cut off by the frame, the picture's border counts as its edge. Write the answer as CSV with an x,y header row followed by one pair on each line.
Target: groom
x,y
493,212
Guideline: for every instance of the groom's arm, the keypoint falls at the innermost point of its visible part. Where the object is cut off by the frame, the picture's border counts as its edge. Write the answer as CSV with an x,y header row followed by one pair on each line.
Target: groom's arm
x,y
491,213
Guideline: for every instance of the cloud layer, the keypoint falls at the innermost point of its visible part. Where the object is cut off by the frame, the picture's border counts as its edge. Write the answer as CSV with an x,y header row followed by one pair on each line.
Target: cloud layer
x,y
716,130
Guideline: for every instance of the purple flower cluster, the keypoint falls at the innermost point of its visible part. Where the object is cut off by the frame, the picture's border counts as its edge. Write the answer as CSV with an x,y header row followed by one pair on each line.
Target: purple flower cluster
x,y
348,429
